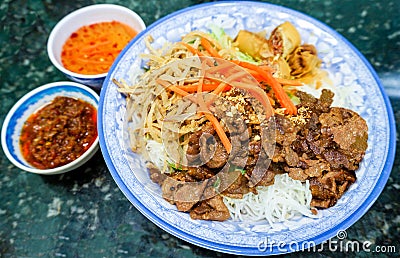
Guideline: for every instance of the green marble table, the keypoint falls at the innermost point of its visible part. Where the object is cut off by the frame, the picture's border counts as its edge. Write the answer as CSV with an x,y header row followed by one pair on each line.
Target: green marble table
x,y
83,213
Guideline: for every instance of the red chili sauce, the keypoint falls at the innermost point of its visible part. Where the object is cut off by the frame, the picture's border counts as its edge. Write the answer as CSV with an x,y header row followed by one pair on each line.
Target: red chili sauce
x,y
58,133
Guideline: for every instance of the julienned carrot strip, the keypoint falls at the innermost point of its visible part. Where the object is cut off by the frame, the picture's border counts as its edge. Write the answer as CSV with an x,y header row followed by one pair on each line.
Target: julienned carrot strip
x,y
217,126
280,93
221,87
220,131
236,75
267,68
191,88
289,82
283,81
207,45
193,50
179,91
277,88
220,68
255,91
207,87
254,74
186,90
259,94
174,88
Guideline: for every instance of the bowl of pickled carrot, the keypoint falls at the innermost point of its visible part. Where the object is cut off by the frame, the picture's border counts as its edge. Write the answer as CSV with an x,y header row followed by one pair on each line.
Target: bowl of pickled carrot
x,y
84,44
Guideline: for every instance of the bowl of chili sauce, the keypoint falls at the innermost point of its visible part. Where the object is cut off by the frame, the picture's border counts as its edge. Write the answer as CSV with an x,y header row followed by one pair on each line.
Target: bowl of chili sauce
x,y
52,129
84,44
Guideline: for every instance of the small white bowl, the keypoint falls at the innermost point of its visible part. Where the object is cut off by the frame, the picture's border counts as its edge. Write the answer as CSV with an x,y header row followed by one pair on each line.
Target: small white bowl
x,y
82,17
27,105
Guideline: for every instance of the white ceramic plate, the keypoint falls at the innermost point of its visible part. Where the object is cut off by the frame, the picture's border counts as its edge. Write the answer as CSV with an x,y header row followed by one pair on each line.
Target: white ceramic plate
x,y
356,86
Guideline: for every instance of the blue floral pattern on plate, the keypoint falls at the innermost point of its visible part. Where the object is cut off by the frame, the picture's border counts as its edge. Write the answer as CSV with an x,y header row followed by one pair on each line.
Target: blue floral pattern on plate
x,y
355,84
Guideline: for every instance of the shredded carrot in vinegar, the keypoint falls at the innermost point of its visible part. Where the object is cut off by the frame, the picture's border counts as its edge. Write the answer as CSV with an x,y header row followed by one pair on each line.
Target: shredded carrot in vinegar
x,y
92,49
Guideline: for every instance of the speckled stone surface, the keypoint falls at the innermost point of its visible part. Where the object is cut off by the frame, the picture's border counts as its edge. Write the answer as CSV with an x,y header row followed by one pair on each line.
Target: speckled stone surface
x,y
83,213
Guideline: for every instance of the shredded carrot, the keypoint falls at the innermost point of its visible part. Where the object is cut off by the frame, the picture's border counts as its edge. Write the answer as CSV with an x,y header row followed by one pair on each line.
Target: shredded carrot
x,y
203,110
241,74
92,49
267,68
193,50
282,81
184,91
255,91
209,48
221,87
223,65
259,94
172,87
220,131
236,79
214,121
207,87
289,82
280,93
224,83
254,74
